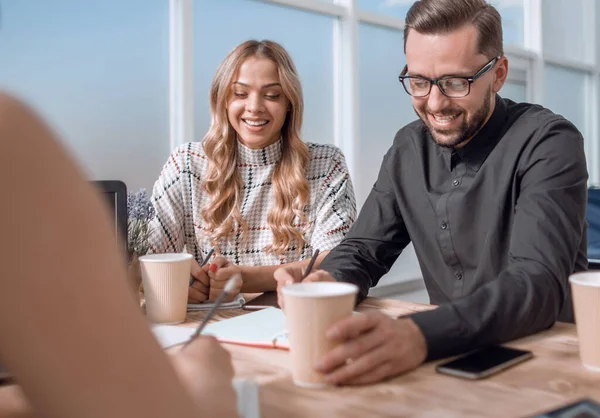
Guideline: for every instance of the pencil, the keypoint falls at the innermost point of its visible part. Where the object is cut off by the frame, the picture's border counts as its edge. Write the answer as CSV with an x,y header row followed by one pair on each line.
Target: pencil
x,y
210,253
310,264
230,286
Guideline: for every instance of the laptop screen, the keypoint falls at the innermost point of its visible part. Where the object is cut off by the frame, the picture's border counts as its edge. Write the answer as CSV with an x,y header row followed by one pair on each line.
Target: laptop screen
x,y
111,199
115,194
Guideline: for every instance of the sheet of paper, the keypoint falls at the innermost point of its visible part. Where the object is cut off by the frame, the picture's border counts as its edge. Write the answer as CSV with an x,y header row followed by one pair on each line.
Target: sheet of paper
x,y
264,328
170,335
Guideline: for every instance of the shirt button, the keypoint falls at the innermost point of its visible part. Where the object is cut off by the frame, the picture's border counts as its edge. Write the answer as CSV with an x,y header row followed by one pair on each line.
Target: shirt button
x,y
455,183
458,275
443,225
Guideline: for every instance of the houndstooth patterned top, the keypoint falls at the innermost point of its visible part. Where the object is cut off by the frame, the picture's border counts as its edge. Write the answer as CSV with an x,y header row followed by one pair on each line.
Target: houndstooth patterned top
x,y
178,196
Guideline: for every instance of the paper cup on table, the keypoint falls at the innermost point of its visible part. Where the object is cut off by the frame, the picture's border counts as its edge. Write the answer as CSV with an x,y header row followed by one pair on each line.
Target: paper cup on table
x,y
166,278
585,287
310,309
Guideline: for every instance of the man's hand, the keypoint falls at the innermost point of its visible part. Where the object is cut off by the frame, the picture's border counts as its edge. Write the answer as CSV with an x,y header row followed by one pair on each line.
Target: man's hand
x,y
219,272
205,369
374,347
292,273
199,290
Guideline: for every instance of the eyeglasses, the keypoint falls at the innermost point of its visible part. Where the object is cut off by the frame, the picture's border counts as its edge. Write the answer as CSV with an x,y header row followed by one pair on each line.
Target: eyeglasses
x,y
450,85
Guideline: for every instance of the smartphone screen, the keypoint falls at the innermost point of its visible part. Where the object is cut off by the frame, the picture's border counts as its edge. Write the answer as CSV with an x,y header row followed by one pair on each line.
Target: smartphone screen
x,y
484,362
266,300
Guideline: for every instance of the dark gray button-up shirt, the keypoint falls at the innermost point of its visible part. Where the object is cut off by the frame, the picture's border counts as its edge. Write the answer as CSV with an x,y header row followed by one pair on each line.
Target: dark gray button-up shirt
x,y
497,226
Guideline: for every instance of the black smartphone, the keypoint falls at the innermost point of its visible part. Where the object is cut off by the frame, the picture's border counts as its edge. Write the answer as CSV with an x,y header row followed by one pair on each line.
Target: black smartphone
x,y
484,362
266,300
585,408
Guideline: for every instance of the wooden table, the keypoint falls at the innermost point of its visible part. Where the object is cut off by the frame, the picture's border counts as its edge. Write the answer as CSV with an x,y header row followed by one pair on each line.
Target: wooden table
x,y
552,378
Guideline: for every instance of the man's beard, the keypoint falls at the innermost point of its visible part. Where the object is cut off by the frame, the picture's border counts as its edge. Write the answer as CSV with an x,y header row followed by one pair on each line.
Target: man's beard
x,y
450,138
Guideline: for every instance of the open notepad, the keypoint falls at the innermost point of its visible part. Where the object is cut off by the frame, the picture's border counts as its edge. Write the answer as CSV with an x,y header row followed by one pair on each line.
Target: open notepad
x,y
264,328
238,302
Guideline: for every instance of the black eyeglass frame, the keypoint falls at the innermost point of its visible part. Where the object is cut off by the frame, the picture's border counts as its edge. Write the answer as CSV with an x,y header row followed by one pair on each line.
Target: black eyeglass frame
x,y
436,81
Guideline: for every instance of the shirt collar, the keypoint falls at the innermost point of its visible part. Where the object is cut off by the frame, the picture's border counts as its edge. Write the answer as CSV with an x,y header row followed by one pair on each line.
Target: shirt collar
x,y
271,154
477,149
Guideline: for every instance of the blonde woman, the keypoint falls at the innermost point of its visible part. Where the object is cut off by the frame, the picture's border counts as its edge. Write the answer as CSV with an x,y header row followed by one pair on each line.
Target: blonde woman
x,y
252,189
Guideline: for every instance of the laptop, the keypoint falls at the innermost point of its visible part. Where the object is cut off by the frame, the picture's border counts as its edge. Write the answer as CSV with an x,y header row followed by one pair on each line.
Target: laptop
x,y
593,231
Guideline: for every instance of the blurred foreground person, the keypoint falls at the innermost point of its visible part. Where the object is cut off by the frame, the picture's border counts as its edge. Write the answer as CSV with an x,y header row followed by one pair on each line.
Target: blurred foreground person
x,y
70,330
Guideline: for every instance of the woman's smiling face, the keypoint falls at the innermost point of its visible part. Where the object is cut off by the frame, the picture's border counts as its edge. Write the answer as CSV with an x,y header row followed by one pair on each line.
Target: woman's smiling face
x,y
257,107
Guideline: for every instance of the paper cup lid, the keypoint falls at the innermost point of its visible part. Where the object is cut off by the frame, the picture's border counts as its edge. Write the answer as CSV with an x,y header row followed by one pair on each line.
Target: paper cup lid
x,y
320,289
586,278
165,258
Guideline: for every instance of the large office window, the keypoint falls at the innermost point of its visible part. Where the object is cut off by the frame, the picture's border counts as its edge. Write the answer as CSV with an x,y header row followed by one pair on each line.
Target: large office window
x,y
565,25
98,71
515,87
565,92
384,105
512,12
515,91
395,8
384,108
220,25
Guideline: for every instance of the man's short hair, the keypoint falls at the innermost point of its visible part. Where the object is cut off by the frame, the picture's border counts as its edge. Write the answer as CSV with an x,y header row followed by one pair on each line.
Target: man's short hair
x,y
444,16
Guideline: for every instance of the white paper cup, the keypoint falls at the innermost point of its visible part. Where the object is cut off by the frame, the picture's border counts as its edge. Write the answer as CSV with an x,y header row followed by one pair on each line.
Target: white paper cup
x,y
310,309
166,279
585,287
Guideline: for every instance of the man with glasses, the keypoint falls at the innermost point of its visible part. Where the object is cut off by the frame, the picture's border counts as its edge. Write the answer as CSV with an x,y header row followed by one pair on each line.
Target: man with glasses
x,y
491,193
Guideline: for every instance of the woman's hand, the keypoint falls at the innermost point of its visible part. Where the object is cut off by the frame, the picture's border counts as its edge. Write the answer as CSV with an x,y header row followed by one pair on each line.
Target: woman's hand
x,y
199,290
219,273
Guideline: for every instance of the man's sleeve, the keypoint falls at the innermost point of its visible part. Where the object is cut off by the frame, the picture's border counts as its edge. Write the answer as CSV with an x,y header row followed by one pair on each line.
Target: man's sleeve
x,y
548,228
375,240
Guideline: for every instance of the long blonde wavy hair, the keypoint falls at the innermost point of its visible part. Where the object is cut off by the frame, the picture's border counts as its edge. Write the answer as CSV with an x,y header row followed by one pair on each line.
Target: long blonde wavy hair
x,y
223,183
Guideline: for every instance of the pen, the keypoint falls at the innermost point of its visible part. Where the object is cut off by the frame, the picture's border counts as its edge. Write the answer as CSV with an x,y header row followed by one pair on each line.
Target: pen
x,y
310,264
233,282
210,253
